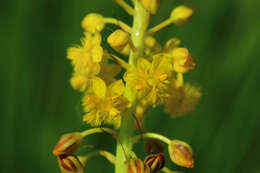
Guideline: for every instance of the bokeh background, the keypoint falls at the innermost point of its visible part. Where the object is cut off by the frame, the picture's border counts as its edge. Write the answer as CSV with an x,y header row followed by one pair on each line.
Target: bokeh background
x,y
38,105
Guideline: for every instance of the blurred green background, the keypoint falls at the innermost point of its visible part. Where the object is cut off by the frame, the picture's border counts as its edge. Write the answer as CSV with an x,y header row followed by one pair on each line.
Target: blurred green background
x,y
38,104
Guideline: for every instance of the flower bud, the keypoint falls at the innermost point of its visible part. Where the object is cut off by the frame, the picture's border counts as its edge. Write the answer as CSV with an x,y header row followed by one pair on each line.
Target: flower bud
x,y
181,14
93,22
183,61
155,162
68,144
181,153
151,45
70,164
118,40
151,5
137,166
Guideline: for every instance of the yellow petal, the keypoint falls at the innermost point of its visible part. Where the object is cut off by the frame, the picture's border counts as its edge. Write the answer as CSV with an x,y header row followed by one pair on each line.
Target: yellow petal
x,y
113,112
96,38
93,118
161,64
97,53
143,65
99,87
117,87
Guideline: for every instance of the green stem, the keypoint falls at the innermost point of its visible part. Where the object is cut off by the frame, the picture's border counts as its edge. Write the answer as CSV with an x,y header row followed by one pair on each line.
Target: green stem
x,y
125,143
99,130
140,24
160,26
153,136
121,24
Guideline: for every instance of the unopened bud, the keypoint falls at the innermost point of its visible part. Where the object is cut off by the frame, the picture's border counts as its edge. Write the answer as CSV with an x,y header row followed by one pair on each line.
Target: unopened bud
x,y
93,22
151,5
118,40
151,45
183,61
181,14
68,144
181,153
70,164
137,166
155,162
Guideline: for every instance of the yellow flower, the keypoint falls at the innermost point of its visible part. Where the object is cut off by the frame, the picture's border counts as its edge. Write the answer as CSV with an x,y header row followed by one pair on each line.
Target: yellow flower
x,y
182,60
85,60
182,100
150,79
93,23
105,103
108,70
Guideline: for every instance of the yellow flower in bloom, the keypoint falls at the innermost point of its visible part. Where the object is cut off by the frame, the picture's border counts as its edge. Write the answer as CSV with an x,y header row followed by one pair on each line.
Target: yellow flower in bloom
x,y
85,60
108,70
105,103
150,79
93,23
182,100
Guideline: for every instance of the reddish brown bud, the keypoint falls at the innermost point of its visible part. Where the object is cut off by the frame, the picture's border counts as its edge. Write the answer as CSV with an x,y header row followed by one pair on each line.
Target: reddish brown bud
x,y
181,153
70,164
155,162
137,166
68,144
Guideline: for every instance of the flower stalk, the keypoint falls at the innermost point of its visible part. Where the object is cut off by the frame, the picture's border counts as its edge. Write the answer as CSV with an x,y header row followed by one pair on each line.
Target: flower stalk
x,y
153,136
125,144
99,130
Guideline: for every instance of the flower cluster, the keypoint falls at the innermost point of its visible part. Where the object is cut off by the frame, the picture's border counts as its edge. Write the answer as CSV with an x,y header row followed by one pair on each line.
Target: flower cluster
x,y
118,92
156,79
94,75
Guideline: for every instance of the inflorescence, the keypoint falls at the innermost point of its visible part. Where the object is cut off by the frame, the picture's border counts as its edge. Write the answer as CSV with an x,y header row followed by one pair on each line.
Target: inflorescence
x,y
152,76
